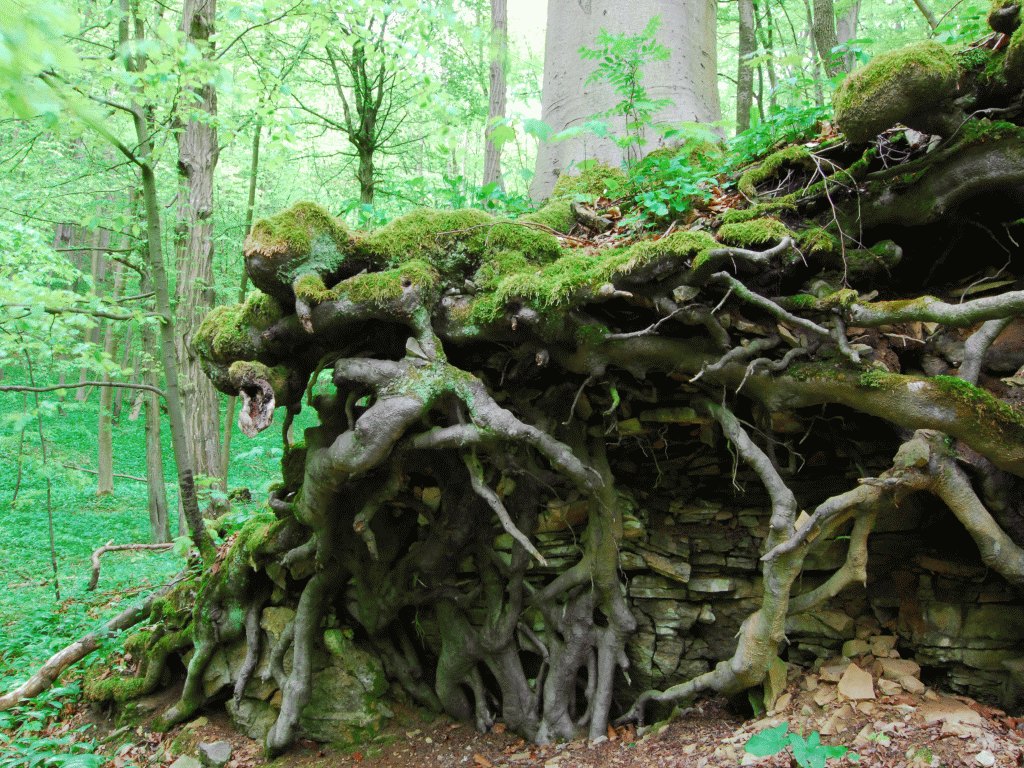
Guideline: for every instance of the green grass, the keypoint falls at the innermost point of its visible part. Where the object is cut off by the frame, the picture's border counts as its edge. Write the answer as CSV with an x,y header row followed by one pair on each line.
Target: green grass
x,y
33,625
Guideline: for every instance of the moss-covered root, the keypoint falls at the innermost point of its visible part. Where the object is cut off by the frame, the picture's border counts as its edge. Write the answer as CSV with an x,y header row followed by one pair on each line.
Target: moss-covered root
x,y
914,85
305,239
153,648
299,683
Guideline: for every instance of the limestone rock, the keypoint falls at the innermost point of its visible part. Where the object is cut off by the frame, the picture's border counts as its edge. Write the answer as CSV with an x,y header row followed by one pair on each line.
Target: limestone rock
x,y
832,671
985,759
881,645
888,687
948,711
186,762
894,669
252,717
911,684
853,648
214,754
857,684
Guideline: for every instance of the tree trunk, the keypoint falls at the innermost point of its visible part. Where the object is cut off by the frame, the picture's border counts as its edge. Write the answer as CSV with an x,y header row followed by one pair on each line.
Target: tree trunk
x,y
824,29
688,77
367,185
197,159
745,73
497,92
105,435
100,239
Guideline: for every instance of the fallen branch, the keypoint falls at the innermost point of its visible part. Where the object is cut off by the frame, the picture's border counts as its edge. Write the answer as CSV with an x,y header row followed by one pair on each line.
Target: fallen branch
x,y
80,385
45,676
94,472
110,546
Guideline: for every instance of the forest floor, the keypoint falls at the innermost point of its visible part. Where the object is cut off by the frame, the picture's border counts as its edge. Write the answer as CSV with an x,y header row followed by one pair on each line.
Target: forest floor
x,y
904,730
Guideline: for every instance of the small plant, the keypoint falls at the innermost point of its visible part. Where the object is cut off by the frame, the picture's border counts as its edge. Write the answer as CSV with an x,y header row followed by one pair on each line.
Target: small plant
x,y
621,60
808,752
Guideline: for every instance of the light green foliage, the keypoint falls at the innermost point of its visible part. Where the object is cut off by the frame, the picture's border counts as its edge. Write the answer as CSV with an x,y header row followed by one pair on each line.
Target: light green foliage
x,y
672,181
621,60
30,44
594,180
895,87
808,752
754,233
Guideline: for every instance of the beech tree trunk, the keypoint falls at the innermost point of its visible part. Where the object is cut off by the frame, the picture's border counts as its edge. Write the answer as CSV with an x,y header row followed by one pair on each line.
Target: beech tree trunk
x,y
688,77
197,159
745,72
498,90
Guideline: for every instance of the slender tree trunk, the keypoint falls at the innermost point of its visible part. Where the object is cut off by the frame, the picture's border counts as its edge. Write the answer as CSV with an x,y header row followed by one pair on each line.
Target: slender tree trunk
x,y
745,73
824,29
367,185
497,92
197,160
929,16
129,360
96,272
766,31
105,434
250,208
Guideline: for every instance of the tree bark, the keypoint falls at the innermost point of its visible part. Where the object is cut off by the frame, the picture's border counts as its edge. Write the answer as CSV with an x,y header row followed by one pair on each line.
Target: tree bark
x,y
846,30
688,77
497,92
105,435
197,160
745,73
825,39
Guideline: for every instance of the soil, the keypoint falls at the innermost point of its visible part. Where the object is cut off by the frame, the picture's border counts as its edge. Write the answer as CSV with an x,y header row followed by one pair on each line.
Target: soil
x,y
886,732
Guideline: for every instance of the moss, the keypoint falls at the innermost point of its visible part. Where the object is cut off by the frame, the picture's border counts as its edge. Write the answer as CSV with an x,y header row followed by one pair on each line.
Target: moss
x,y
224,335
818,241
555,214
310,288
786,204
802,301
381,287
895,87
982,402
757,232
260,311
879,379
295,231
498,266
597,180
769,168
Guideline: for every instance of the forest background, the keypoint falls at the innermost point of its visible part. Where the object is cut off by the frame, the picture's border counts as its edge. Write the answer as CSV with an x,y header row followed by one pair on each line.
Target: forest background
x,y
275,86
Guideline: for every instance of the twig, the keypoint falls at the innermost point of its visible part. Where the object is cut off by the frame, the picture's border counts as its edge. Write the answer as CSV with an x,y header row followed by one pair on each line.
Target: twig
x,y
80,385
110,546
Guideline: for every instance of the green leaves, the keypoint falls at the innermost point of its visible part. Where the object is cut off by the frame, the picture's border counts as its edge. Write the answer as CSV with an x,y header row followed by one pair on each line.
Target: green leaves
x,y
808,753
30,45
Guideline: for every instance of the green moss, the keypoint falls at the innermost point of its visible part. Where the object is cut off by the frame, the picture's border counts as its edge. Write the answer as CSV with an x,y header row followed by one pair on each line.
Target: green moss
x,y
555,214
381,287
498,266
757,232
895,87
879,379
802,301
260,311
597,180
769,168
1002,17
310,288
982,402
224,335
243,372
778,205
295,231
818,242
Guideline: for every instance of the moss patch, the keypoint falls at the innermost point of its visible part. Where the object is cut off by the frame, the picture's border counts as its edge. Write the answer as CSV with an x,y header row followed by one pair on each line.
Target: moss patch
x,y
597,180
770,167
895,87
381,287
757,232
